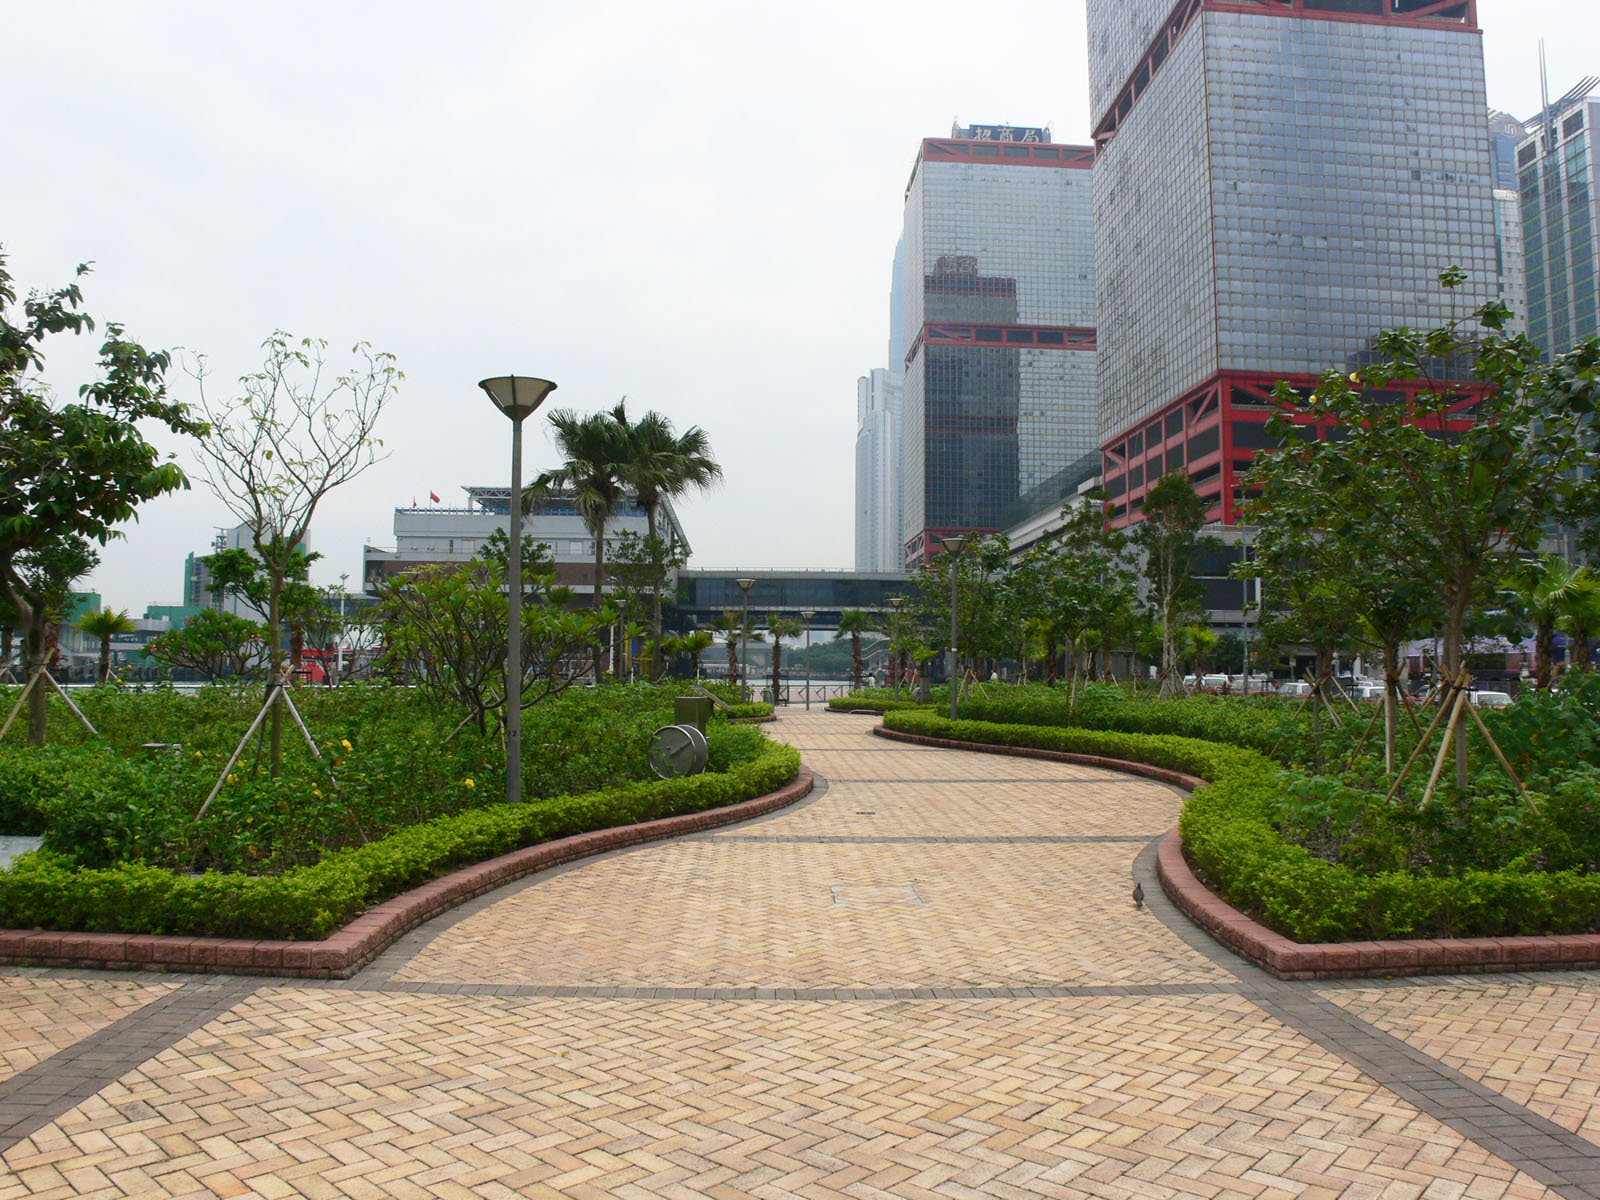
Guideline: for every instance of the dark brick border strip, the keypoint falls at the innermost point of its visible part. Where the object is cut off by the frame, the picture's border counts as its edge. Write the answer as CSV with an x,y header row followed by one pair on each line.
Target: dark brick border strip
x,y
345,951
1288,959
31,1099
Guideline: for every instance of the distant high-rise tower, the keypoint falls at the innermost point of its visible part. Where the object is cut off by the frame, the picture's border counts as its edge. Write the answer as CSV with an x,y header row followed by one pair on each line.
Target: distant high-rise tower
x,y
1274,187
1557,171
878,472
1510,258
999,294
1505,134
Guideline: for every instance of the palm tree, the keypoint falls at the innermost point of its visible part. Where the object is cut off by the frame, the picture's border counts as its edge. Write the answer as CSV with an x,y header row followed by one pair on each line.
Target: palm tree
x,y
1579,619
694,645
595,450
853,624
105,625
730,625
1550,588
661,464
778,628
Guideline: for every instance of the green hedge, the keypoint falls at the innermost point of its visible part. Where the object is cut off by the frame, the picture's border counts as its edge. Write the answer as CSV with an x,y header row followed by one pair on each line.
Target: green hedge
x,y
1258,722
44,891
873,704
749,712
1229,839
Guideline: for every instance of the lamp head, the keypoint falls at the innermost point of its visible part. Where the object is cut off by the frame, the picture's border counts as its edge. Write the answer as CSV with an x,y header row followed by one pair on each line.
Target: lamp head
x,y
808,616
895,602
517,395
954,543
745,585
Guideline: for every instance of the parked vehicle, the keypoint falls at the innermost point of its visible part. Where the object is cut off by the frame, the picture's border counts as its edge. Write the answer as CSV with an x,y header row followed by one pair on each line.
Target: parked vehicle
x,y
1491,699
1214,682
1295,687
1367,691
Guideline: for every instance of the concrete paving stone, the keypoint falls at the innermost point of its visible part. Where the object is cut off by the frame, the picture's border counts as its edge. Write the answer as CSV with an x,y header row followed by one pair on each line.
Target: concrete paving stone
x,y
43,1015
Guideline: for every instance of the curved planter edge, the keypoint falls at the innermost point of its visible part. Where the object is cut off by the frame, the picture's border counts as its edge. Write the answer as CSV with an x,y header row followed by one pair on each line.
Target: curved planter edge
x,y
1288,959
345,951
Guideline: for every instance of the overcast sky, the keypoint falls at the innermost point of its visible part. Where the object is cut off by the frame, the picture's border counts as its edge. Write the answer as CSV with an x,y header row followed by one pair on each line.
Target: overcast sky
x,y
694,205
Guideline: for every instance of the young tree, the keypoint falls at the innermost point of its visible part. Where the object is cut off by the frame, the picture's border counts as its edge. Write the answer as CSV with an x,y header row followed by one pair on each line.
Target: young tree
x,y
778,628
730,627
214,645
1172,543
694,645
70,472
1492,449
852,625
1549,587
105,625
274,451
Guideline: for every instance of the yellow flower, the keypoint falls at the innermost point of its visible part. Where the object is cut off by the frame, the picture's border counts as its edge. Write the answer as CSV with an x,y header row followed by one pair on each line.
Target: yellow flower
x,y
345,742
232,778
468,783
317,792
197,754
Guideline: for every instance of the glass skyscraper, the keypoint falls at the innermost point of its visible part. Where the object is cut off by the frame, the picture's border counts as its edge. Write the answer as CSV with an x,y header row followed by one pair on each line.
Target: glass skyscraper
x,y
999,293
1556,175
1275,186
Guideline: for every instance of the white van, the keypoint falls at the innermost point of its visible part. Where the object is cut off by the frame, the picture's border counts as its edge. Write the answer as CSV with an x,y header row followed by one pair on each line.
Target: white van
x,y
1491,699
1295,687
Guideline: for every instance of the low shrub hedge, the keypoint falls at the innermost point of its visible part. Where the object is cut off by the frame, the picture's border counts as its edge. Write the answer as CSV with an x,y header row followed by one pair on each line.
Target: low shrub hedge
x,y
44,890
749,712
1257,722
875,704
1230,840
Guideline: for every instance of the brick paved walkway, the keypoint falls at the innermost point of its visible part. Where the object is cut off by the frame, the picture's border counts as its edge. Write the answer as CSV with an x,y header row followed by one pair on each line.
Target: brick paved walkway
x,y
926,981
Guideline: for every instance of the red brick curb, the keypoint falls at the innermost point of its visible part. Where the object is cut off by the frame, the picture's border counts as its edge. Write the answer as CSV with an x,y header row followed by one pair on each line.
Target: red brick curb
x,y
345,951
1289,959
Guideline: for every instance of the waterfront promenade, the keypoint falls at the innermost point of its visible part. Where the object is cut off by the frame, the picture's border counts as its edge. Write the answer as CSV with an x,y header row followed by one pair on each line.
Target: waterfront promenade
x,y
927,979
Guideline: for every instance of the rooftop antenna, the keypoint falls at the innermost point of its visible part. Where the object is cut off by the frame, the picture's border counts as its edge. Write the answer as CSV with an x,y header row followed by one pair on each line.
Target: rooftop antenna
x,y
1544,99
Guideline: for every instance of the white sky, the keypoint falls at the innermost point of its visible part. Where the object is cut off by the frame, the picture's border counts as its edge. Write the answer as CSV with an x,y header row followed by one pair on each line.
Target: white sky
x,y
695,205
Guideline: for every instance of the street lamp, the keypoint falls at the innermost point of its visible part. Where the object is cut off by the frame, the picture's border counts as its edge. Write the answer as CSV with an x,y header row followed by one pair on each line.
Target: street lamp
x,y
339,653
808,617
895,602
744,640
953,547
516,396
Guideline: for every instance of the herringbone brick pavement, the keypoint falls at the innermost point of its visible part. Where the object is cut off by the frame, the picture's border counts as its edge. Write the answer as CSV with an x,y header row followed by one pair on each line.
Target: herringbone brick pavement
x,y
1535,1043
299,1092
719,913
402,1090
41,1015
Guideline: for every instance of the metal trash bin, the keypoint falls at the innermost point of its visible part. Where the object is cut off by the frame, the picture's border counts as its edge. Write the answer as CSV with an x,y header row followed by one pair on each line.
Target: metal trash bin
x,y
692,710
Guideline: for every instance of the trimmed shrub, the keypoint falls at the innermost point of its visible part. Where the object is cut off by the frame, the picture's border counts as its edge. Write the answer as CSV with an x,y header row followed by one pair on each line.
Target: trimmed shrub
x,y
1230,840
44,890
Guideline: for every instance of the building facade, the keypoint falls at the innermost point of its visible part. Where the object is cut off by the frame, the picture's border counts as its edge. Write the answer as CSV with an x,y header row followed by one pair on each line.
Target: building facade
x,y
1276,183
1511,267
454,534
1557,167
878,420
999,301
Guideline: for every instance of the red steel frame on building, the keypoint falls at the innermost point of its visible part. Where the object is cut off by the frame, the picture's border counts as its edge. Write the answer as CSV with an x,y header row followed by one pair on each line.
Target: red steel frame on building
x,y
1214,433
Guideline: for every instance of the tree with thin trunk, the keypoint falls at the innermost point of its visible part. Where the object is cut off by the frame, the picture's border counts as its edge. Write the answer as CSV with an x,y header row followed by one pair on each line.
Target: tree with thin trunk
x,y
595,452
694,645
778,628
659,465
70,473
731,626
279,446
1491,447
1171,540
853,624
105,625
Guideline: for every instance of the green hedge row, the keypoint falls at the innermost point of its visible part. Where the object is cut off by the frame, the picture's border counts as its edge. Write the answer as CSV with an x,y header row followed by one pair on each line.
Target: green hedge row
x,y
1231,843
1260,723
43,891
872,704
746,712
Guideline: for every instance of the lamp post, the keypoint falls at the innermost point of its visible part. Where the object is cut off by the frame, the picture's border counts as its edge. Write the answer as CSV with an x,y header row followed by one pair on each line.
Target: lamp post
x,y
953,547
516,396
895,602
808,617
339,652
744,640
